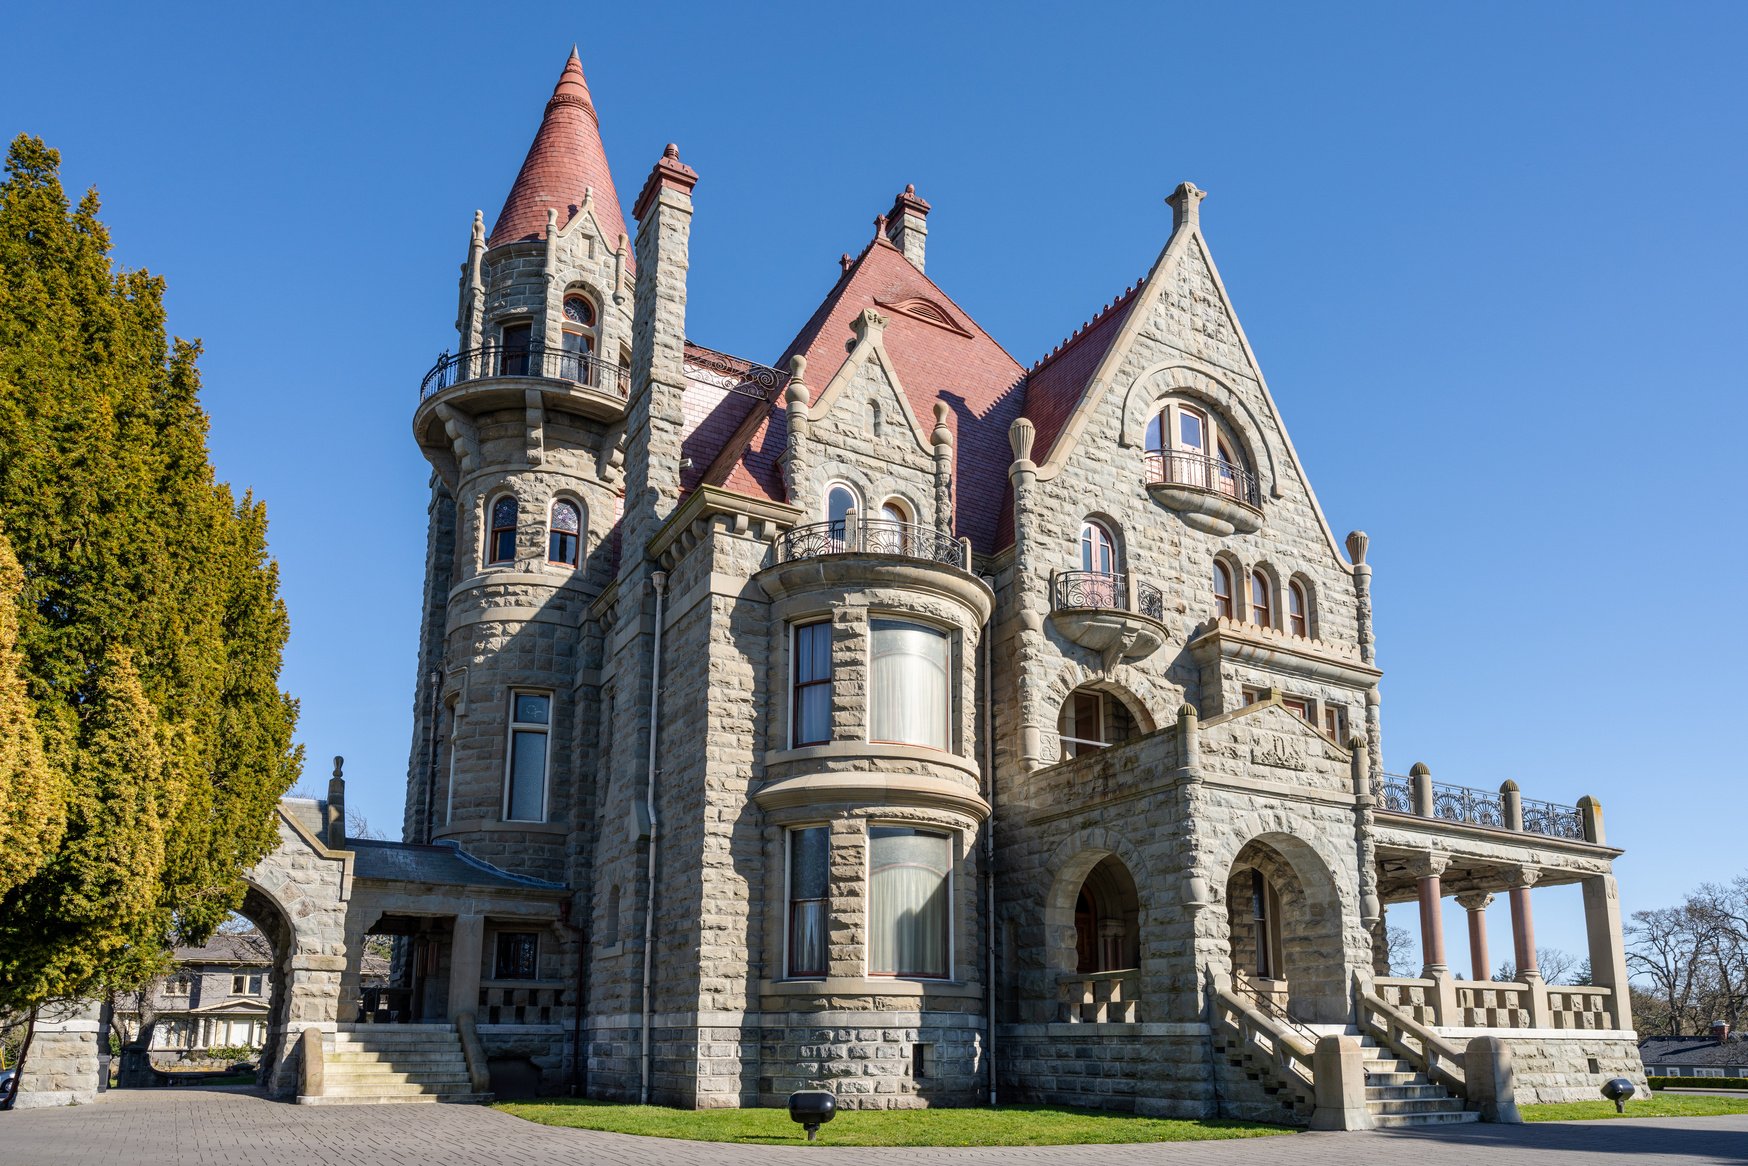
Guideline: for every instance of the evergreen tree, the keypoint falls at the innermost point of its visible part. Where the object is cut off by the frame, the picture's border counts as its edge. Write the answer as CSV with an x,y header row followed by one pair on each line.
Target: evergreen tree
x,y
150,611
33,795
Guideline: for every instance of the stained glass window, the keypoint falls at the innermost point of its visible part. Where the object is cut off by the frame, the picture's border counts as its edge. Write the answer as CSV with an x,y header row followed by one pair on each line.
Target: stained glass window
x,y
563,541
579,311
501,546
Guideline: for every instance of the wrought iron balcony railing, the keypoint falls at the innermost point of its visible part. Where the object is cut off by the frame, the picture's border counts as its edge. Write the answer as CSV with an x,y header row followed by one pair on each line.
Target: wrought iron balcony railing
x,y
497,360
1396,794
1177,467
1108,591
907,540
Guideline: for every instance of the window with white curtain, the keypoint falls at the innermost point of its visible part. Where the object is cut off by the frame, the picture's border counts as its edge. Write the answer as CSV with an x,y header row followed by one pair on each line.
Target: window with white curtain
x,y
525,789
809,871
910,697
909,902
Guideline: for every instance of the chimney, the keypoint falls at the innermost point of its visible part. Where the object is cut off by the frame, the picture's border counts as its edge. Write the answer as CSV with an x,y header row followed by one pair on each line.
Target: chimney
x,y
907,225
1720,1031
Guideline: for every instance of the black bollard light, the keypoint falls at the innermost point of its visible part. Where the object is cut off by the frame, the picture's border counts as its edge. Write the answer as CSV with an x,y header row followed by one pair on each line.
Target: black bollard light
x,y
812,1108
1617,1090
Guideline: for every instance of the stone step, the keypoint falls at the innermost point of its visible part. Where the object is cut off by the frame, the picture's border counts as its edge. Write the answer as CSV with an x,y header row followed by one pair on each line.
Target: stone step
x,y
395,1040
389,1089
1378,1077
400,1099
1386,1121
351,1075
1446,1104
378,1057
1404,1092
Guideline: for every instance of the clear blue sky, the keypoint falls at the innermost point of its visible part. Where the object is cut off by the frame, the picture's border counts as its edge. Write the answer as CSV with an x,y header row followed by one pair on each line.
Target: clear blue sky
x,y
1491,257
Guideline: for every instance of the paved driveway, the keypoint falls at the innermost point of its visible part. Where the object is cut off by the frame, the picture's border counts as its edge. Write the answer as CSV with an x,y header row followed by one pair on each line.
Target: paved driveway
x,y
189,1127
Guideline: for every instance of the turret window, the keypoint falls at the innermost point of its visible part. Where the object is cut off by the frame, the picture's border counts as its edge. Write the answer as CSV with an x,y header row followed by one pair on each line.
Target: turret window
x,y
909,898
809,891
525,784
564,540
513,360
1262,612
501,542
810,707
910,696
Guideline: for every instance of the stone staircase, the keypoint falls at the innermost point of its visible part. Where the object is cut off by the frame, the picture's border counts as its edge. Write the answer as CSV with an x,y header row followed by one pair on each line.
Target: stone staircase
x,y
372,1064
1398,1094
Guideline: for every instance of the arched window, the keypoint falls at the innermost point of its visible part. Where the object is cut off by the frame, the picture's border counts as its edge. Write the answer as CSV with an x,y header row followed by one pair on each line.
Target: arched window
x,y
501,543
577,339
564,539
1192,450
1261,601
1093,719
1298,621
894,510
1098,550
1223,601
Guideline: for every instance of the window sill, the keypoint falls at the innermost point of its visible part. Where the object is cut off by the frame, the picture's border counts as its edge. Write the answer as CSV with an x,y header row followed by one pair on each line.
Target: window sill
x,y
870,986
873,790
869,750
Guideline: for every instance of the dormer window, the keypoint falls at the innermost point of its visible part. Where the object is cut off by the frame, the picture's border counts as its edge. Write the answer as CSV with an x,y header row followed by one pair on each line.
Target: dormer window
x,y
1192,450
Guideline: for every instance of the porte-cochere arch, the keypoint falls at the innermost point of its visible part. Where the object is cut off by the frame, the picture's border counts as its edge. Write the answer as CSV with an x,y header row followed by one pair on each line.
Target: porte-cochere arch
x,y
1284,928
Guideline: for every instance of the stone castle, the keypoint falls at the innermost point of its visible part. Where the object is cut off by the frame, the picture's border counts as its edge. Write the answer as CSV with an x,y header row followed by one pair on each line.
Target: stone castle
x,y
901,720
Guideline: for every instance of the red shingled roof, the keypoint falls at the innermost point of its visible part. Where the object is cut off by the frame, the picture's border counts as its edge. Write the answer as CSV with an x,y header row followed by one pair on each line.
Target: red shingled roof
x,y
566,158
934,361
1057,382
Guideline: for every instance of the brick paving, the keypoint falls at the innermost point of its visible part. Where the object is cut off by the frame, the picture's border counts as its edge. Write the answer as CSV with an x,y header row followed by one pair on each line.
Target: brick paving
x,y
190,1127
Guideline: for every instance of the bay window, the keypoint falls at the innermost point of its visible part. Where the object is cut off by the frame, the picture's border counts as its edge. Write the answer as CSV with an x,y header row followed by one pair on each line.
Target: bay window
x,y
525,787
809,868
909,902
810,703
910,695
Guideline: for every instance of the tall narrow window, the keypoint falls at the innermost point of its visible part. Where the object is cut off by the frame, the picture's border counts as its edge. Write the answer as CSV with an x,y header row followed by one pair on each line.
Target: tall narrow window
x,y
1098,550
810,709
514,357
564,539
839,501
1223,601
809,870
910,693
1335,723
1259,916
1261,605
577,336
909,875
530,724
501,542
1297,621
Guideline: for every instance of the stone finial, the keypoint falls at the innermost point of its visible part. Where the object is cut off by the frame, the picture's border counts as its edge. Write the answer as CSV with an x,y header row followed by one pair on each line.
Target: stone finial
x,y
1419,769
1508,786
1021,434
479,228
879,226
869,325
551,222
942,435
1356,742
339,766
797,370
1357,542
1186,203
845,262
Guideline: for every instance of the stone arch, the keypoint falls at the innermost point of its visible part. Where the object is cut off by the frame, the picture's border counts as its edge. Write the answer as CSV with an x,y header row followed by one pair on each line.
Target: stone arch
x,y
1123,682
1300,923
1093,854
1182,378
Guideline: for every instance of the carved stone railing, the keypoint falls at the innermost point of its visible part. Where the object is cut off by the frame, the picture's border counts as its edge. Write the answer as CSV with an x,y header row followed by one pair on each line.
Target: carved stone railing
x,y
1412,1040
1415,998
1269,1045
519,1002
1099,997
1492,1004
1582,1008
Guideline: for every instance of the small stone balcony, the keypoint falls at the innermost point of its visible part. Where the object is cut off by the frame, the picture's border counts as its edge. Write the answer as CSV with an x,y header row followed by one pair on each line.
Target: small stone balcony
x,y
1210,494
855,557
1119,616
496,374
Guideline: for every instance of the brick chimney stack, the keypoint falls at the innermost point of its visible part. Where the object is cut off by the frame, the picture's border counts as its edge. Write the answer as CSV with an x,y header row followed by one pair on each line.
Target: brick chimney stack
x,y
907,225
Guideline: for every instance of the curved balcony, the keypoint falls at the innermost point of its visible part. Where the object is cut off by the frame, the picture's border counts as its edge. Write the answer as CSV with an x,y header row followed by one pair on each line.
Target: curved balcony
x,y
496,376
1212,494
853,554
1121,617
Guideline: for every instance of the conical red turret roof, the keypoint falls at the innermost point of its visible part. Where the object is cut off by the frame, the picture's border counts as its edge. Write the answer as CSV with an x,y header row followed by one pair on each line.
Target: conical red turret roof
x,y
566,158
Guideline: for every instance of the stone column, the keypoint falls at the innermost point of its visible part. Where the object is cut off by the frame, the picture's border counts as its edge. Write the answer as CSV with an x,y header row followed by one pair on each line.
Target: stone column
x,y
1608,954
1476,903
466,952
1523,942
1427,869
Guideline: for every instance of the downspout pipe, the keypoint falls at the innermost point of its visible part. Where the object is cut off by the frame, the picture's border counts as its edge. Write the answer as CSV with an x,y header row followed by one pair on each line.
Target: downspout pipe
x,y
988,726
435,681
660,581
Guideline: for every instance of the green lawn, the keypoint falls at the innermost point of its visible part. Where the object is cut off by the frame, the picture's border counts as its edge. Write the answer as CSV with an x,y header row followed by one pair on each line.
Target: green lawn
x,y
1659,1105
1011,1125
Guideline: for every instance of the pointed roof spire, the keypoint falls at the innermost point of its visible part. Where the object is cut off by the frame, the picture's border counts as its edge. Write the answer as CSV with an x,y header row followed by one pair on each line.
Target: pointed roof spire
x,y
566,159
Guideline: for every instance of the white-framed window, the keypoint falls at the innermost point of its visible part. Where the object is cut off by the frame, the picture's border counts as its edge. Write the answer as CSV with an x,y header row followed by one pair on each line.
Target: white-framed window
x,y
578,328
895,510
909,694
1092,719
1298,609
178,985
246,984
564,532
1224,602
809,881
1262,599
1098,549
910,881
810,704
839,501
1192,449
525,772
1335,723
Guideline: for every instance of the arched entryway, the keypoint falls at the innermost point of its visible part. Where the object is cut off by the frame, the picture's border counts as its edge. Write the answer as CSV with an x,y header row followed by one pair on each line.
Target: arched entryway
x,y
1094,921
275,926
1284,936
1107,919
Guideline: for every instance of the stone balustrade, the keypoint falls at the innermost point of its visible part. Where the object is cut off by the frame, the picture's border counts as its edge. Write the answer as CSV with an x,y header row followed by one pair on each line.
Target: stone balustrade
x,y
1498,1004
519,1001
1099,997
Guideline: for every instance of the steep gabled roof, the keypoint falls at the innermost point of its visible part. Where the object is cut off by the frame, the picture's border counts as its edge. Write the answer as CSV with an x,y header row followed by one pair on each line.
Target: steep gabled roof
x,y
566,159
1056,383
939,354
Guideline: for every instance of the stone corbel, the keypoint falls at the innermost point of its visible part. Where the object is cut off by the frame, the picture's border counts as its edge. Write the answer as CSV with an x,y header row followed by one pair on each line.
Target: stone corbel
x,y
463,438
536,428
